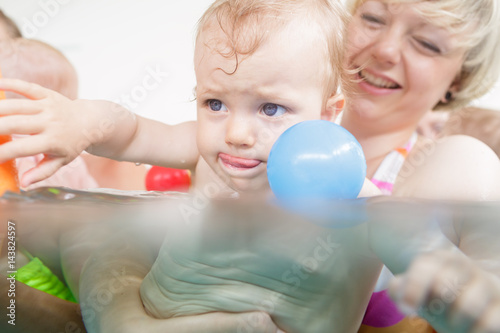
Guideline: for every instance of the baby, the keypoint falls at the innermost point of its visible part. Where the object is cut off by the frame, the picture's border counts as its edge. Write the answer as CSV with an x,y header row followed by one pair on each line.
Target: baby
x,y
261,66
256,76
247,93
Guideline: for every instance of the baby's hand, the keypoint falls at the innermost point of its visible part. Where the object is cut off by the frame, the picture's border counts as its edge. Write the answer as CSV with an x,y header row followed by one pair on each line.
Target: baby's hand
x,y
55,126
451,292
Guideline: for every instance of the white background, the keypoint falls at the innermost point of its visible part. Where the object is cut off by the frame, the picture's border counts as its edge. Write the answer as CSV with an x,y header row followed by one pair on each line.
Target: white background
x,y
116,44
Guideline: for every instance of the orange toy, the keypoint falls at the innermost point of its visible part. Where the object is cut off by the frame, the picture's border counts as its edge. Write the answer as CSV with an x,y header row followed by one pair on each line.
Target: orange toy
x,y
8,171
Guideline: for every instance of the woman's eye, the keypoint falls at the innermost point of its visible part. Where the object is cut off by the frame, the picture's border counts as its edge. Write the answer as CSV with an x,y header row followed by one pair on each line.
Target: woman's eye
x,y
371,19
273,110
216,105
429,46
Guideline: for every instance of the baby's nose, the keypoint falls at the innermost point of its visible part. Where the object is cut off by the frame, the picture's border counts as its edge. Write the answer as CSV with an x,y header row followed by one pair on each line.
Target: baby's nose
x,y
240,131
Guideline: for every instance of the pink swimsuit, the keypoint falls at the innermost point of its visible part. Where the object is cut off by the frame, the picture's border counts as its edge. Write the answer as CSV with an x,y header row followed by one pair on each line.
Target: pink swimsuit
x,y
386,174
382,315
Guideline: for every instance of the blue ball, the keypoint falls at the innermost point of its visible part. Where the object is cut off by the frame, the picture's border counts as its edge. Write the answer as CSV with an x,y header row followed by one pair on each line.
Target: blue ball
x,y
316,159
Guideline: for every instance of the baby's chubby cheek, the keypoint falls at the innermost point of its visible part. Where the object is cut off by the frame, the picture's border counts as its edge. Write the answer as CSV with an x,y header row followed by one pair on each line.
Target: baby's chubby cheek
x,y
266,137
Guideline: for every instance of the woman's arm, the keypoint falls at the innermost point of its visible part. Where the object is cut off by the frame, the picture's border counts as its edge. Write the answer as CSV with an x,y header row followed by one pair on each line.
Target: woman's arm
x,y
110,300
451,292
452,283
456,167
125,313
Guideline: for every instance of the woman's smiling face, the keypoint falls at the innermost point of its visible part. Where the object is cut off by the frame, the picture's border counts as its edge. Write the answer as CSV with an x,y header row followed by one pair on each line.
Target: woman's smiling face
x,y
403,63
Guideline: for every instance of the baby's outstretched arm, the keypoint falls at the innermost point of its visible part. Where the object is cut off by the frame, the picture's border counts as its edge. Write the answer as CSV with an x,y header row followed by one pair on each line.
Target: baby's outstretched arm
x,y
62,128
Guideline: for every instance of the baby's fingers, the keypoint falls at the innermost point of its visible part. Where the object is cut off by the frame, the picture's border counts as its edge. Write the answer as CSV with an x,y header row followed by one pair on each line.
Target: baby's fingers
x,y
20,124
33,145
26,89
22,147
19,106
46,168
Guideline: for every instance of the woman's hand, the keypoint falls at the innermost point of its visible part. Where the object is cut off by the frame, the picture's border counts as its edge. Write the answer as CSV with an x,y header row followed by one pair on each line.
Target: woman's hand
x,y
117,307
451,292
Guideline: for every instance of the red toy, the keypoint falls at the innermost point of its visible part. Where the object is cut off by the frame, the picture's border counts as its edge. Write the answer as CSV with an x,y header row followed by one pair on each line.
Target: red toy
x,y
168,179
8,171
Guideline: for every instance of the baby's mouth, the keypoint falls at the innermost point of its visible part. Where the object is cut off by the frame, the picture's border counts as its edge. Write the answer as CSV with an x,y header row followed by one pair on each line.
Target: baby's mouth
x,y
238,162
378,81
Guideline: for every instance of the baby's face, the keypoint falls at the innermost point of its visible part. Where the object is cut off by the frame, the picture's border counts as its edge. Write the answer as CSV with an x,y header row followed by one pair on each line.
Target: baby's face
x,y
241,114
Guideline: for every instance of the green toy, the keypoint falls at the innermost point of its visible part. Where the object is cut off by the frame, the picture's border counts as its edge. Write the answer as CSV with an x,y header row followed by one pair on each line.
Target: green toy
x,y
36,275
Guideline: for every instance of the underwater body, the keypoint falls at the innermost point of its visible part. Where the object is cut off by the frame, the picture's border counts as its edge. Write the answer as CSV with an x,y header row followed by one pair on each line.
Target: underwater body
x,y
239,255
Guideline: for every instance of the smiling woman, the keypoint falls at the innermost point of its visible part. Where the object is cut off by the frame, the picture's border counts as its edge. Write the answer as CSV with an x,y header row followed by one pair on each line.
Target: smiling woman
x,y
403,59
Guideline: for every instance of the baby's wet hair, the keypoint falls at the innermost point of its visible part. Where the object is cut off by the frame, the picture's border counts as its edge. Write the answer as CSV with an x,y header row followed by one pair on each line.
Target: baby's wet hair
x,y
248,23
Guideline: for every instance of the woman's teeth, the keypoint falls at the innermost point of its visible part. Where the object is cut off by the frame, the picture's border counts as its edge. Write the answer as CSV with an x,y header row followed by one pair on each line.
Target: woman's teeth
x,y
378,81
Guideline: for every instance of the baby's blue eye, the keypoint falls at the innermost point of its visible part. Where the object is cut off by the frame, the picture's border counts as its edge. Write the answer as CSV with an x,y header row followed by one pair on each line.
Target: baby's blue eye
x,y
216,105
273,110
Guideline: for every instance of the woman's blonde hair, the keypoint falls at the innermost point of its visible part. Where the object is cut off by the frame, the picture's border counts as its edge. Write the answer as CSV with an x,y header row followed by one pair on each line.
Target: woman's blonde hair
x,y
477,22
247,23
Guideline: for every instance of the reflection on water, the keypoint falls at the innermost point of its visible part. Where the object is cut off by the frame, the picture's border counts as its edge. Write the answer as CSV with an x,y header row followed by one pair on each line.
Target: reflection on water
x,y
61,194
337,214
